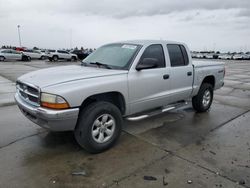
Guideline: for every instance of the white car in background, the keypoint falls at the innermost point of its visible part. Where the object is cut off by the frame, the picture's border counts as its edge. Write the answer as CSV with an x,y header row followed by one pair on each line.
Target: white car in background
x,y
55,55
9,54
33,54
209,56
199,55
241,57
225,56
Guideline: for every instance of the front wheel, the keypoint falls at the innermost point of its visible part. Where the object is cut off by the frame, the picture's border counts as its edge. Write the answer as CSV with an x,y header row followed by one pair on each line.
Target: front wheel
x,y
2,58
99,126
203,100
55,58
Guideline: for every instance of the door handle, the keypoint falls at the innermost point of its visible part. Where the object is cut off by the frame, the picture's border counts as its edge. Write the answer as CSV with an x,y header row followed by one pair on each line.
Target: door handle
x,y
166,76
189,73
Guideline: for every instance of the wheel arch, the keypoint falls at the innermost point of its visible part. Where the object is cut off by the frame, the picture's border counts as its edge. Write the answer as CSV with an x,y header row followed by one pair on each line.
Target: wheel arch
x,y
210,79
3,56
114,97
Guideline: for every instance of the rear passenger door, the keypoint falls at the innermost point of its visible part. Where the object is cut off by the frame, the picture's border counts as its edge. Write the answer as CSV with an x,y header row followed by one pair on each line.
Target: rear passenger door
x,y
36,54
64,54
149,88
16,55
181,72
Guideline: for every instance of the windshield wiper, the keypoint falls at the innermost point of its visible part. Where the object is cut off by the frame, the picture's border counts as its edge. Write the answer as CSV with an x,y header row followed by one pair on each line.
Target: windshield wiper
x,y
100,64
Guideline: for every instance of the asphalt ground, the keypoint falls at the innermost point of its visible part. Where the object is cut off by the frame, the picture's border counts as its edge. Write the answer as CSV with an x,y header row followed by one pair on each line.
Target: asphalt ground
x,y
176,149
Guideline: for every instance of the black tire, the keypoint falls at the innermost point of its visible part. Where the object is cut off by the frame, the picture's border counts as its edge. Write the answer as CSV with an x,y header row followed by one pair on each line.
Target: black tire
x,y
55,58
50,59
42,57
2,58
73,58
197,100
84,129
26,58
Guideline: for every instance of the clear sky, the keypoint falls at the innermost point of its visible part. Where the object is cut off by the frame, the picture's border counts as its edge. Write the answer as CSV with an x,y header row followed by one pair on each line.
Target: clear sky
x,y
203,24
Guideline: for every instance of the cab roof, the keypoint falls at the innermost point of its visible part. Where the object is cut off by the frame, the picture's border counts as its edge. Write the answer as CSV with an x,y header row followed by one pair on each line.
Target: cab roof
x,y
148,42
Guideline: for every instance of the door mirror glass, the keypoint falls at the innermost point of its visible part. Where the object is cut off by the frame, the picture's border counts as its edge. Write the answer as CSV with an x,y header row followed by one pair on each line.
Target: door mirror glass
x,y
147,63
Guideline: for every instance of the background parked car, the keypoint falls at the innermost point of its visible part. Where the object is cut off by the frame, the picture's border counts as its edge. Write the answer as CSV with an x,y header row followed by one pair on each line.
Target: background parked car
x,y
55,55
29,54
241,57
81,54
9,54
209,56
225,56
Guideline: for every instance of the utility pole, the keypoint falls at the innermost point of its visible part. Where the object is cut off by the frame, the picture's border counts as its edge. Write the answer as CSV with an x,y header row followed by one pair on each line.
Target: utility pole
x,y
70,38
19,35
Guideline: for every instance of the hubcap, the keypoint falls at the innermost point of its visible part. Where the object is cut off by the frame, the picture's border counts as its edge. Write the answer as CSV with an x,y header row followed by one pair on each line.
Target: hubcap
x,y
206,98
1,58
103,128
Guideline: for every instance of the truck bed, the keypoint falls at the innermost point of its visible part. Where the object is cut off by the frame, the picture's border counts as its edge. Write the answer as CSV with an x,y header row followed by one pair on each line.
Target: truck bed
x,y
203,69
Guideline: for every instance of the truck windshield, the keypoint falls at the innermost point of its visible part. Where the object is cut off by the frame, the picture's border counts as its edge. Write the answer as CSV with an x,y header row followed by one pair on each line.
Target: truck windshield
x,y
115,56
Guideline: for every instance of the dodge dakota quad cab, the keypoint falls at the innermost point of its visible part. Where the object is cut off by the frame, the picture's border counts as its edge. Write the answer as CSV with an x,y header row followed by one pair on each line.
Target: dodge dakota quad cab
x,y
132,79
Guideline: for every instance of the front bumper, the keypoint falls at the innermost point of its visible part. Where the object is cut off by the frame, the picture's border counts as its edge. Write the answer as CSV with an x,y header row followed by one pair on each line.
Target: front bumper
x,y
54,120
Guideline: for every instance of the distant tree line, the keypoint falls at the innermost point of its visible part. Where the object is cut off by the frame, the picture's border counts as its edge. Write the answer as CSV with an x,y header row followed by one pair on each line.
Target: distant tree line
x,y
90,50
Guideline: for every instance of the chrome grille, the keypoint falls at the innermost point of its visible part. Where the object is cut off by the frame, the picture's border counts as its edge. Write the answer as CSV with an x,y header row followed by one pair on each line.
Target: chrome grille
x,y
28,92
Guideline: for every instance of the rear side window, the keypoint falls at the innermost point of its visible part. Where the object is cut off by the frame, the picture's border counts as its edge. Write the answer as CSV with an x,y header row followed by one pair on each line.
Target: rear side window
x,y
178,55
184,53
61,51
6,51
155,51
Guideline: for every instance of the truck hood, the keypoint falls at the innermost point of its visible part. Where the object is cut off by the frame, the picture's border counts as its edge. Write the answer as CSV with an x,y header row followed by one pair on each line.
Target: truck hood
x,y
57,75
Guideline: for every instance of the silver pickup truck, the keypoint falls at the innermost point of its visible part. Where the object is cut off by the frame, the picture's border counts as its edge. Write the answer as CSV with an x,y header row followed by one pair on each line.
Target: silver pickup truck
x,y
131,80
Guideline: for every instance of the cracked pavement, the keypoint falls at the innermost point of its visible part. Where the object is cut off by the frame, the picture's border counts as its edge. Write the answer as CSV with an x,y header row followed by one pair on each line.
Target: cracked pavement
x,y
178,149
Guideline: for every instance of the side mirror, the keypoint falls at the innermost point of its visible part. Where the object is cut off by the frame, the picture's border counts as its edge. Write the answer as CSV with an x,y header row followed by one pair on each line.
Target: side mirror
x,y
147,63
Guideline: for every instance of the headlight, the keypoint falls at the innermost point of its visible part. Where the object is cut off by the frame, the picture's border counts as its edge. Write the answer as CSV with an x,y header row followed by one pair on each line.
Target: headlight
x,y
53,101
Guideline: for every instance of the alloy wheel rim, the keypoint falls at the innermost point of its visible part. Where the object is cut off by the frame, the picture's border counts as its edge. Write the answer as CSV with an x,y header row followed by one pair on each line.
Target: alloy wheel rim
x,y
103,128
206,98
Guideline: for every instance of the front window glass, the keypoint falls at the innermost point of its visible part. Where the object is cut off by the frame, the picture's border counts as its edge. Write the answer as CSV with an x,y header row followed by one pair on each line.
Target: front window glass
x,y
155,51
117,56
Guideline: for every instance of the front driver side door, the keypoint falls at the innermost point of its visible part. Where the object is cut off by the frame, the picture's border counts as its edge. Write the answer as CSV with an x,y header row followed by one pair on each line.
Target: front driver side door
x,y
148,88
8,54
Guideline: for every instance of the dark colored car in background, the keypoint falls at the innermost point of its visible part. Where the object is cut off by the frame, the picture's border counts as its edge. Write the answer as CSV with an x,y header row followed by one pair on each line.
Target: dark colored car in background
x,y
80,54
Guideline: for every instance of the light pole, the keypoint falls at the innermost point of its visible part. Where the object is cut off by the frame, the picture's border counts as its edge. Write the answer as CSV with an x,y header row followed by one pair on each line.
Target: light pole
x,y
18,29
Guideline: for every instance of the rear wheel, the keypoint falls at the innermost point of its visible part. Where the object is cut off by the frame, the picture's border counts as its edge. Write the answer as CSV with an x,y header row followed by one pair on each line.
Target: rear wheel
x,y
55,58
2,58
73,58
26,58
99,126
203,100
